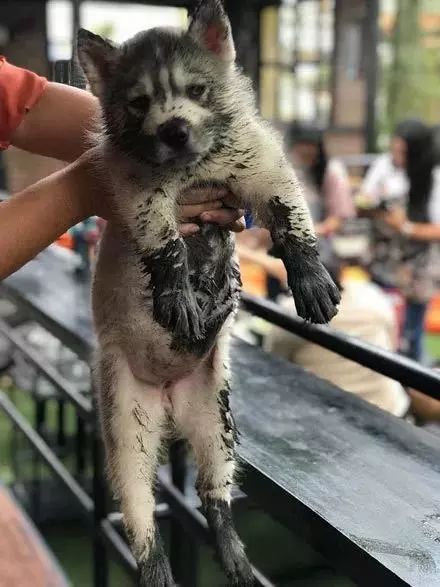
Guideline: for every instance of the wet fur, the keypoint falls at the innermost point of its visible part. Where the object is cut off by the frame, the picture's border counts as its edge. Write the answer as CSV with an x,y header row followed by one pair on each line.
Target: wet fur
x,y
162,304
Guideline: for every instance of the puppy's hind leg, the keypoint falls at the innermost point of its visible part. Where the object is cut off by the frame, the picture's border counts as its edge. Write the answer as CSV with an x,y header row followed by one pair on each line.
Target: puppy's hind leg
x,y
133,417
201,411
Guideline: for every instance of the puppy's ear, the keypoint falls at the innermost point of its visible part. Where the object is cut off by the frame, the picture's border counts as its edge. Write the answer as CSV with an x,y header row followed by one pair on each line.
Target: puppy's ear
x,y
96,56
210,27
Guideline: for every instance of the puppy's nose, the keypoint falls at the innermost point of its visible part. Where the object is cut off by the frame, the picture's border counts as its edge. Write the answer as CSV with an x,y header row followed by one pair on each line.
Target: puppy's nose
x,y
174,133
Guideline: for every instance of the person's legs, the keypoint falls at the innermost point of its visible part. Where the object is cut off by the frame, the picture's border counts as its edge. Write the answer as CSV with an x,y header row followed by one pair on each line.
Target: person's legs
x,y
413,330
424,408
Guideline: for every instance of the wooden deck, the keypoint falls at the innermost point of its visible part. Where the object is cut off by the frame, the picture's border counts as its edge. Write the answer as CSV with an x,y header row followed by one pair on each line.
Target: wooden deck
x,y
25,561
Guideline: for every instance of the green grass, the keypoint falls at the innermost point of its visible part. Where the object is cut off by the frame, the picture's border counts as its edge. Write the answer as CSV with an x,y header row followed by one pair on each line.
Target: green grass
x,y
433,346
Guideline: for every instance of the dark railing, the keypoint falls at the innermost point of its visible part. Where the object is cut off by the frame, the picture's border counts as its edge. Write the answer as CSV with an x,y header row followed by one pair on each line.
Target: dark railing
x,y
107,525
395,366
47,454
175,506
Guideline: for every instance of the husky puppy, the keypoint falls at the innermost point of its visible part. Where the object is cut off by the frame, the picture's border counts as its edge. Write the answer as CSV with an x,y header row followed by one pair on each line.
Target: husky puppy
x,y
177,113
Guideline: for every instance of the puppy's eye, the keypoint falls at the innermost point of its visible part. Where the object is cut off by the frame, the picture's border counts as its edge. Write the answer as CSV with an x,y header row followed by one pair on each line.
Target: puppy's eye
x,y
195,91
141,103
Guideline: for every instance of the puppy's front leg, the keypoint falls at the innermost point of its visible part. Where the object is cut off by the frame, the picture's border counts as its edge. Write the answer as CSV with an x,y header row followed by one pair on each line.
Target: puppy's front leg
x,y
162,254
266,181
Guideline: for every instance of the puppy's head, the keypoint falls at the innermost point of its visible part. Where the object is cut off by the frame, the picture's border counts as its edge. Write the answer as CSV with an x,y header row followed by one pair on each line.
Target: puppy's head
x,y
167,95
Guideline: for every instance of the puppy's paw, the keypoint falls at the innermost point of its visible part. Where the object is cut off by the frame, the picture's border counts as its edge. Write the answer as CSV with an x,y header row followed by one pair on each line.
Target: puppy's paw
x,y
240,572
155,571
178,312
229,548
314,291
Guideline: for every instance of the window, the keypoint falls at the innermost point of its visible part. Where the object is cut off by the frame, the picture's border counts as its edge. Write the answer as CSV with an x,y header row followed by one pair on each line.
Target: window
x,y
295,56
111,19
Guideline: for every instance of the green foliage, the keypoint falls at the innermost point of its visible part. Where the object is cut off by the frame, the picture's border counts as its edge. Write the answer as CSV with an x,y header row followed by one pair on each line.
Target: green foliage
x,y
105,29
411,83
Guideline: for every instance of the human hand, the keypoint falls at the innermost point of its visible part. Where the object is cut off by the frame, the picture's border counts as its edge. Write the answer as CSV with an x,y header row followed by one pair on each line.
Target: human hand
x,y
328,227
395,218
207,205
198,205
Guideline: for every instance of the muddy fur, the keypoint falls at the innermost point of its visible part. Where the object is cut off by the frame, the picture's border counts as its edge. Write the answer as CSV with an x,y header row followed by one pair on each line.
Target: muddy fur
x,y
178,113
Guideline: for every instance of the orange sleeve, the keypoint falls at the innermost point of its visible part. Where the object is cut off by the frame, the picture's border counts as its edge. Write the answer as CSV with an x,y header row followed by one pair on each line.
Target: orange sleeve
x,y
20,89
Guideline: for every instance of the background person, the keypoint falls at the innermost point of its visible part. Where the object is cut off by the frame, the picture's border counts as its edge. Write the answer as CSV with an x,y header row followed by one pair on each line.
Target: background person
x,y
328,191
364,312
404,188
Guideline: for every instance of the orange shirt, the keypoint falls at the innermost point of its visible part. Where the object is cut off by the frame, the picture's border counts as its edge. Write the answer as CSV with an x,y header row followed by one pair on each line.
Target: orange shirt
x,y
20,89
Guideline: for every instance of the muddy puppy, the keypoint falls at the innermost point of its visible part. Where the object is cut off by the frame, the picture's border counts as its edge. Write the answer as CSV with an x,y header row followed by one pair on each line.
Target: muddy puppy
x,y
178,113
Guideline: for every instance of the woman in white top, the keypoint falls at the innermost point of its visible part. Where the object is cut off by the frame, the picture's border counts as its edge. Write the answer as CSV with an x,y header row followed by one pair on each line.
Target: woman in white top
x,y
366,313
405,185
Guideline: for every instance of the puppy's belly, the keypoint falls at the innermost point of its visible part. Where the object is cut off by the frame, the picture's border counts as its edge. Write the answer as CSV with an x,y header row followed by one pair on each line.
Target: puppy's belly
x,y
147,346
161,369
148,350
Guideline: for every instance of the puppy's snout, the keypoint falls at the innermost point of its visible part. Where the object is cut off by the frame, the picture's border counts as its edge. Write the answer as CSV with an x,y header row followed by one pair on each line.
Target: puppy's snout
x,y
175,133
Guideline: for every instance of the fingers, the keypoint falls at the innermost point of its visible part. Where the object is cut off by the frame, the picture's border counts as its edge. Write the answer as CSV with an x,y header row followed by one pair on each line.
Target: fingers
x,y
228,219
224,216
188,229
237,226
189,211
202,195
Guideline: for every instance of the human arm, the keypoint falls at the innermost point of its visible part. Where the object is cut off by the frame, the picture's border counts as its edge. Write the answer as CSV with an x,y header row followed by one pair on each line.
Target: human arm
x,y
51,119
426,408
58,123
371,190
75,112
271,265
57,126
419,231
328,226
37,216
338,199
34,218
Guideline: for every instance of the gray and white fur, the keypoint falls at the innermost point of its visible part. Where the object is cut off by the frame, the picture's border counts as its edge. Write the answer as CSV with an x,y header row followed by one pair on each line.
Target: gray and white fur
x,y
177,113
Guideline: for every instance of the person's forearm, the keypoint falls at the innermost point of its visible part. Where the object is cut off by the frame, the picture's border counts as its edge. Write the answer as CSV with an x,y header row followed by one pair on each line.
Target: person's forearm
x,y
34,218
57,125
422,232
328,226
272,266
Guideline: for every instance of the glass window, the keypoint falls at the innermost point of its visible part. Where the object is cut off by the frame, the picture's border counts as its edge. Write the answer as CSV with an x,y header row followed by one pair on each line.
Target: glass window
x,y
296,51
122,21
111,19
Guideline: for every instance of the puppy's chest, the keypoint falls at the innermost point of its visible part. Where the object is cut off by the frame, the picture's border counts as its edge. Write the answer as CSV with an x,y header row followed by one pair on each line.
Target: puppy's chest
x,y
211,266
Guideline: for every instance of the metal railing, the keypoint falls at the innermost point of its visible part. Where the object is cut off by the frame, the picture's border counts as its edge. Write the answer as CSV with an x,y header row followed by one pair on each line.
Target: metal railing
x,y
186,520
390,364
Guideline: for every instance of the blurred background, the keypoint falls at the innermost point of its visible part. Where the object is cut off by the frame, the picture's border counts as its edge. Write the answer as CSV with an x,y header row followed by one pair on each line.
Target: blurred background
x,y
352,85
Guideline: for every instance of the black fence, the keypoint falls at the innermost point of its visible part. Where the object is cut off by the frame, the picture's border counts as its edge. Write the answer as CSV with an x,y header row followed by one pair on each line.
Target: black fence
x,y
397,367
106,525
